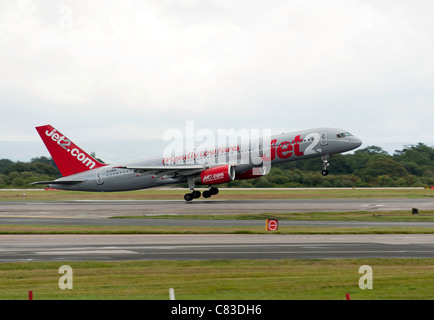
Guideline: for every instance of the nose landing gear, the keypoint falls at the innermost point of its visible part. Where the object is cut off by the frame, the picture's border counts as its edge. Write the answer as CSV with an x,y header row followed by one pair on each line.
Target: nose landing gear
x,y
325,165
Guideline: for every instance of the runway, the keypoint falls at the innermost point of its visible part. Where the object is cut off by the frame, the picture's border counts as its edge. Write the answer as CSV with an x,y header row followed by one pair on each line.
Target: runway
x,y
96,213
16,248
105,209
198,247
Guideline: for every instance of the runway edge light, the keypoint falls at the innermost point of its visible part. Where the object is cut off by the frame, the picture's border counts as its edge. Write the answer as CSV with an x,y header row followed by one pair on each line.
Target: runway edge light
x,y
271,224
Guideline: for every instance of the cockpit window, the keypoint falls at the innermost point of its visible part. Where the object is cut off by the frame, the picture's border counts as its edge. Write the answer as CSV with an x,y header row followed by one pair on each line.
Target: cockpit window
x,y
343,135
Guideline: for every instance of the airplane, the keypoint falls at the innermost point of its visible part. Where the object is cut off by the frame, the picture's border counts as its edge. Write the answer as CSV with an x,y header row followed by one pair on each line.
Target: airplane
x,y
210,166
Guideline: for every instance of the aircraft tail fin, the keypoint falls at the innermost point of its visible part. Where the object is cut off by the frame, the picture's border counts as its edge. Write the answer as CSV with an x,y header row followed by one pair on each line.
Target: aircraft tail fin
x,y
69,158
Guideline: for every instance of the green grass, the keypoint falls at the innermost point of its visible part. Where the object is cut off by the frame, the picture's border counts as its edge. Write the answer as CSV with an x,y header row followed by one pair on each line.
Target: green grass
x,y
221,279
36,229
225,194
406,216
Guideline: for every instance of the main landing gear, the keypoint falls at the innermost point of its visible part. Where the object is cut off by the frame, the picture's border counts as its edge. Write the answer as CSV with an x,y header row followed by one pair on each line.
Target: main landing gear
x,y
212,191
325,165
194,194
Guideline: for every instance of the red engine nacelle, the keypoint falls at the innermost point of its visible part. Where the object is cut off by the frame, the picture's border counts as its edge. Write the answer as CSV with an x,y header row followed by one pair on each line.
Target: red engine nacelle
x,y
216,175
252,174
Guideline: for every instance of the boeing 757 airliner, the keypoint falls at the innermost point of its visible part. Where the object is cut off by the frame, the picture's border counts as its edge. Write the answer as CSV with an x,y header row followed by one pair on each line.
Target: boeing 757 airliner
x,y
209,167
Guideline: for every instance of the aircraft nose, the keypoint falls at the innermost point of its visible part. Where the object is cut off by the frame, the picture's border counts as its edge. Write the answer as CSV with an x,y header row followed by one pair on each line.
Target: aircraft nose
x,y
356,142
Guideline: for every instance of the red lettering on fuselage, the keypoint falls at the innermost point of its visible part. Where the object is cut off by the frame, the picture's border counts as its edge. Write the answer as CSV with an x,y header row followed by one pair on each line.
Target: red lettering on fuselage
x,y
283,150
296,142
286,149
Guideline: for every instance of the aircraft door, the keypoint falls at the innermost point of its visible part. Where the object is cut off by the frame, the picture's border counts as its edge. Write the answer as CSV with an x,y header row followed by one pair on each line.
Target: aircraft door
x,y
324,141
99,179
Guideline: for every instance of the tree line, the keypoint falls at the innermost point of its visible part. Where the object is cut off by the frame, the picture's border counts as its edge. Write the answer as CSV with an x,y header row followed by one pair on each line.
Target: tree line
x,y
413,166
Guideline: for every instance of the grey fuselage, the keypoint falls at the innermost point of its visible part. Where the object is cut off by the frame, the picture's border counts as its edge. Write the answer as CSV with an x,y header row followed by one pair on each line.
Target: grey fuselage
x,y
244,156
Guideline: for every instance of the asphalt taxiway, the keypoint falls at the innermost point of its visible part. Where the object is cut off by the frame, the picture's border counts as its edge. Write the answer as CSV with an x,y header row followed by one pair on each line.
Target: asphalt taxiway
x,y
84,212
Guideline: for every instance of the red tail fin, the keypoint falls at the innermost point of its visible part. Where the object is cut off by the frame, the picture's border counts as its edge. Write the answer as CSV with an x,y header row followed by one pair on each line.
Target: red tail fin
x,y
69,158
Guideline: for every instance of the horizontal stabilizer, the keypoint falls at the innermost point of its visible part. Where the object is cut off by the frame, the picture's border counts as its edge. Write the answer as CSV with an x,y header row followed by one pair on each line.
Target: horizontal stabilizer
x,y
59,182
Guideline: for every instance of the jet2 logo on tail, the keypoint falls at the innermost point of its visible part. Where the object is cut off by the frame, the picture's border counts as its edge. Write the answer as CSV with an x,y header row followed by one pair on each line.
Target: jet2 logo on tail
x,y
56,137
75,152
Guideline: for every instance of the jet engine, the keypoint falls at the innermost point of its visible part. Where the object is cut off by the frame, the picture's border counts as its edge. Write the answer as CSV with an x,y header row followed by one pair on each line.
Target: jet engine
x,y
216,175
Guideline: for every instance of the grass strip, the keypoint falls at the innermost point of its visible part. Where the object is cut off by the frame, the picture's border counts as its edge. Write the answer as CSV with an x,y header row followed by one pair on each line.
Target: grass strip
x,y
38,229
398,216
225,194
394,279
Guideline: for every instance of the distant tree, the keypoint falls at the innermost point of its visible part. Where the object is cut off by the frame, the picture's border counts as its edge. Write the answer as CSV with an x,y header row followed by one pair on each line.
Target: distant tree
x,y
372,150
94,156
417,159
5,163
387,167
43,160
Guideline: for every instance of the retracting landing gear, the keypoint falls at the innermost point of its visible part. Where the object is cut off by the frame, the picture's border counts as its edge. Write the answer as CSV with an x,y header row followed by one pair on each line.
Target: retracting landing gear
x,y
325,165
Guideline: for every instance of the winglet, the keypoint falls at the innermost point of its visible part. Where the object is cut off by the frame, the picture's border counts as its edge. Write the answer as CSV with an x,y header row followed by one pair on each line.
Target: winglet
x,y
69,158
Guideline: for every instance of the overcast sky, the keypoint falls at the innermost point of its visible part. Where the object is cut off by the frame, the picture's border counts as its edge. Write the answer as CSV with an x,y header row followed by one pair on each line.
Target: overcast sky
x,y
112,71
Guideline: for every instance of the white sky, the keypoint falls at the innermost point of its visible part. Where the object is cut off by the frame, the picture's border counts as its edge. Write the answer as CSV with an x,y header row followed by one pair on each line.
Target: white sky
x,y
103,71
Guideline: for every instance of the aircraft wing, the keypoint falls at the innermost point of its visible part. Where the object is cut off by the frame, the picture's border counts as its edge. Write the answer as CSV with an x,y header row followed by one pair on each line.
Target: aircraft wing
x,y
184,170
59,182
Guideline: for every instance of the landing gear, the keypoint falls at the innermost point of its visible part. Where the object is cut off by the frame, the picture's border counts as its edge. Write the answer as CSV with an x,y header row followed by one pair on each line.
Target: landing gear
x,y
212,191
325,165
188,196
196,194
192,195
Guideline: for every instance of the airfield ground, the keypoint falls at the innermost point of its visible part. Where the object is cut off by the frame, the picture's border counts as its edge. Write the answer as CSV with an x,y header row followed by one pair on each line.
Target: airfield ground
x,y
403,278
